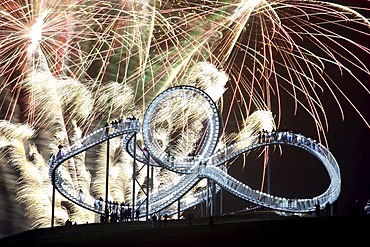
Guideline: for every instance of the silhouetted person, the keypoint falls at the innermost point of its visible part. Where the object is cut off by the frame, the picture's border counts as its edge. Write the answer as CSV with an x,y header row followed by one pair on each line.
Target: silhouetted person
x,y
137,214
60,152
211,222
367,208
154,221
80,195
317,209
129,213
263,137
335,208
356,210
190,219
165,218
125,215
328,209
114,217
259,137
100,203
159,221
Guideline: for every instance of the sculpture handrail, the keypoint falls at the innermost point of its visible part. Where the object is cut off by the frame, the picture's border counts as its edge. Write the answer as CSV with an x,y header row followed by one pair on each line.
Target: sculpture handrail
x,y
208,170
210,137
159,201
297,140
127,127
92,139
206,165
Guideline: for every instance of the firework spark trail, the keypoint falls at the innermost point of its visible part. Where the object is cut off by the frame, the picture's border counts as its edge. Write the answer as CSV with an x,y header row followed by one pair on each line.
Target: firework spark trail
x,y
302,65
83,181
258,121
121,166
101,60
24,29
41,86
235,15
46,100
33,190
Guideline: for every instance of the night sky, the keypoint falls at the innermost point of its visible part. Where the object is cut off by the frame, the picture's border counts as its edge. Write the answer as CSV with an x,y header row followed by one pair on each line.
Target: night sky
x,y
348,139
296,173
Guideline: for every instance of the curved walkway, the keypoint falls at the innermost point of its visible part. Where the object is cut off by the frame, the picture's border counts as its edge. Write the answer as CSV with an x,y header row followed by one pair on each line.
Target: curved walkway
x,y
208,164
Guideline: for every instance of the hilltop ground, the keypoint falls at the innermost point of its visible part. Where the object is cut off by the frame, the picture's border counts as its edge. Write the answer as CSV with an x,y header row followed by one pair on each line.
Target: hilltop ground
x,y
251,228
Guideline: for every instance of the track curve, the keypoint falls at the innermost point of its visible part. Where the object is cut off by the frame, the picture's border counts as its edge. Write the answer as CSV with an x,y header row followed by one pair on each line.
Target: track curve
x,y
209,164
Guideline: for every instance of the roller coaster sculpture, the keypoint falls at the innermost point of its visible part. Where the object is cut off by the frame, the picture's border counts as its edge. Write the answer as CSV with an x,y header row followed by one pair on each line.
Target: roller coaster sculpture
x,y
208,162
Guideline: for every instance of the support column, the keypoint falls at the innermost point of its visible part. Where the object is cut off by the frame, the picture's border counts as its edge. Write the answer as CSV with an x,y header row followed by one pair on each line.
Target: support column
x,y
59,156
148,182
133,181
268,170
106,211
207,199
221,200
213,198
178,209
53,200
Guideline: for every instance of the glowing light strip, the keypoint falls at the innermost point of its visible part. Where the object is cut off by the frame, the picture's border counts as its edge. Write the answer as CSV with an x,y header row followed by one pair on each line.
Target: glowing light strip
x,y
207,167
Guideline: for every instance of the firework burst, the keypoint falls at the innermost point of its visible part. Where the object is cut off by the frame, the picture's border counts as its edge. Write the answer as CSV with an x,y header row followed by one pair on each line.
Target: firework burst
x,y
68,67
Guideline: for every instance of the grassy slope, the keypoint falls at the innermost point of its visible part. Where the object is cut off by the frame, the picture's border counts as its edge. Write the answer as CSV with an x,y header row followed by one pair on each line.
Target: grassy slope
x,y
256,228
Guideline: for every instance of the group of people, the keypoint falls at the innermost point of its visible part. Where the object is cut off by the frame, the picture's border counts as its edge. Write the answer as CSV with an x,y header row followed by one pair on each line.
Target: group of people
x,y
329,209
157,220
117,212
211,221
122,215
69,222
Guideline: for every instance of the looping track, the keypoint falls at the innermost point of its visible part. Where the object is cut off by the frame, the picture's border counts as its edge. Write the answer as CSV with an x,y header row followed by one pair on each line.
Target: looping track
x,y
209,163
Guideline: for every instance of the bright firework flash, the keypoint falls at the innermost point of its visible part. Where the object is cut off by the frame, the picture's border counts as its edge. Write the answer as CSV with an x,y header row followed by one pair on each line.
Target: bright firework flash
x,y
69,67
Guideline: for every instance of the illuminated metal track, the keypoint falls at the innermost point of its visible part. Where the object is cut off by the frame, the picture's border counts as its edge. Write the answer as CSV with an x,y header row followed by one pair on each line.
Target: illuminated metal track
x,y
182,96
212,169
125,128
208,164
